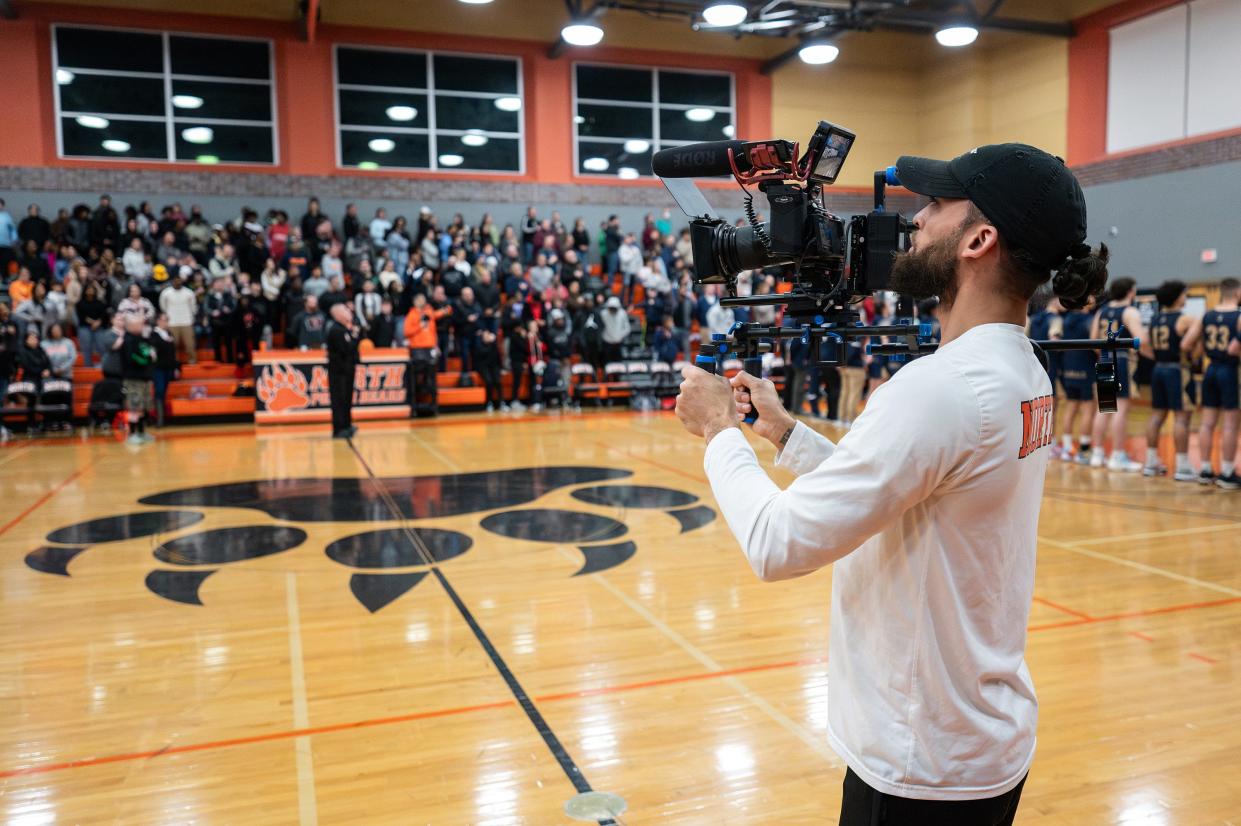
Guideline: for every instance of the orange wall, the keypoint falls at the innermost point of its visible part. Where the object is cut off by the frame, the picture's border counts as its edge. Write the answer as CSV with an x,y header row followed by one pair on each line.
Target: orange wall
x,y
304,83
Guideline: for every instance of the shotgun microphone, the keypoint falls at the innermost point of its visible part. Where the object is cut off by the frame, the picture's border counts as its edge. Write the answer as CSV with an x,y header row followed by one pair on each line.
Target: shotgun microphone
x,y
699,160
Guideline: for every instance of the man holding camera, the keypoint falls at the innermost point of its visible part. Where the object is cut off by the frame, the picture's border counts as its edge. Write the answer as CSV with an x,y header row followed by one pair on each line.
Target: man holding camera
x,y
929,506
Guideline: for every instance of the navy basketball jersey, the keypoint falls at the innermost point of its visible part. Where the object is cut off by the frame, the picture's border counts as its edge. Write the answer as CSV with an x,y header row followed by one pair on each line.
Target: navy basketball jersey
x,y
1040,325
1165,340
1077,325
1114,317
1219,328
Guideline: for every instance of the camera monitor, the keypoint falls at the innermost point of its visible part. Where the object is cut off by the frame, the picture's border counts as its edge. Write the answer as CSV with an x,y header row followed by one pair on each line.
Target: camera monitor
x,y
828,149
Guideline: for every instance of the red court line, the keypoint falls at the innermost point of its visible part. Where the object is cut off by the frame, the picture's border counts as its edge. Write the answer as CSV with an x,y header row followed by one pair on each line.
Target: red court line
x,y
245,741
1150,612
402,718
697,477
1062,609
1203,658
1141,636
29,510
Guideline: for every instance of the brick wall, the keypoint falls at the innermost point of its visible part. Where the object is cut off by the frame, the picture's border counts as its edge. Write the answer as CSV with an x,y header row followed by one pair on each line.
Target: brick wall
x,y
1159,161
260,186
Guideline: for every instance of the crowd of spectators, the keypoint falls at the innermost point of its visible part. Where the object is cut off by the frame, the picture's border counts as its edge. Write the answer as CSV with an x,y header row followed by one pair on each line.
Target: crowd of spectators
x,y
501,298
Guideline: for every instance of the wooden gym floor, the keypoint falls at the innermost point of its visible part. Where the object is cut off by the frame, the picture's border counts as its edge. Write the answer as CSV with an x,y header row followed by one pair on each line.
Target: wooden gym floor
x,y
164,669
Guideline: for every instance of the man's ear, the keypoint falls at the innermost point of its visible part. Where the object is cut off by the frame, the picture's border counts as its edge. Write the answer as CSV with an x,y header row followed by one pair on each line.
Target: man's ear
x,y
979,240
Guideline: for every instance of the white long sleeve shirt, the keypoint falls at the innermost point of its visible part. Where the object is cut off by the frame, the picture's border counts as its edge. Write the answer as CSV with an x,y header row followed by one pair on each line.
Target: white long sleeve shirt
x,y
929,509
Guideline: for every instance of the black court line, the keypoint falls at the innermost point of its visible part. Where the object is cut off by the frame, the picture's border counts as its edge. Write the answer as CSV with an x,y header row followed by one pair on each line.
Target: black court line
x,y
567,764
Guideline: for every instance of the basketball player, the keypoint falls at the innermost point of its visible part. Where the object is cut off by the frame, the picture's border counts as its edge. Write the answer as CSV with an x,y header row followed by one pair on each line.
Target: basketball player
x,y
1118,311
1077,379
1174,336
1221,344
1047,324
929,506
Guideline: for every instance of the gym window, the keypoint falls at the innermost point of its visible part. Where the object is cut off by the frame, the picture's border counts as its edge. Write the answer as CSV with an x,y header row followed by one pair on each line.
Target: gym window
x,y
163,96
398,109
623,114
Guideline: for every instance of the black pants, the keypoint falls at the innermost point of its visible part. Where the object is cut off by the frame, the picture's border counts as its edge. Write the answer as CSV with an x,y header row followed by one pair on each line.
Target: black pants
x,y
518,369
490,371
340,391
423,392
222,339
864,806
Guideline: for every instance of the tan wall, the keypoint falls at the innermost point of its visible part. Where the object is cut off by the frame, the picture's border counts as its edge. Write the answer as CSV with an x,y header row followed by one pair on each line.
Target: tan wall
x,y
939,103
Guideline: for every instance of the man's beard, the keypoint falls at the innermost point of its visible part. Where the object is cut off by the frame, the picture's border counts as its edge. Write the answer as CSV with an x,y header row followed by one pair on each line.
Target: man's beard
x,y
929,272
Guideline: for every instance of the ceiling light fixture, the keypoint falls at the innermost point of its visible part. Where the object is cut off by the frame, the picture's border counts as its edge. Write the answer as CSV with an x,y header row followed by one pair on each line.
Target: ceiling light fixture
x,y
729,131
474,137
451,160
581,33
595,164
64,77
956,36
92,121
368,165
208,159
636,146
381,144
627,173
725,14
198,134
187,101
113,145
508,104
699,114
816,54
401,113
476,2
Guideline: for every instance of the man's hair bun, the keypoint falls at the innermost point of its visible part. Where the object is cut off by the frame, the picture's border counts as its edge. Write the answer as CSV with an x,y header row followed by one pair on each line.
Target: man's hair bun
x,y
1082,274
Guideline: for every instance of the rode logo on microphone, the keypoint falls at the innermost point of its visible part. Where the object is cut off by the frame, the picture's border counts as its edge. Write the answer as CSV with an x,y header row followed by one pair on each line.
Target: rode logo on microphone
x,y
694,159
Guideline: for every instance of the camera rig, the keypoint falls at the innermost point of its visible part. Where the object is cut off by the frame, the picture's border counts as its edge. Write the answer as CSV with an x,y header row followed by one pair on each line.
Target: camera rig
x,y
830,265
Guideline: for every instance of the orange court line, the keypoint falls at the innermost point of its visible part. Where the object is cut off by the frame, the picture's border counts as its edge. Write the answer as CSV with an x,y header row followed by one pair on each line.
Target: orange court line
x,y
546,698
697,477
29,510
1062,609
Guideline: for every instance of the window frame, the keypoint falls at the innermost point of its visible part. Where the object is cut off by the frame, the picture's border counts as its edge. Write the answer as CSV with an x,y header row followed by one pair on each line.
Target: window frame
x,y
169,117
431,129
655,105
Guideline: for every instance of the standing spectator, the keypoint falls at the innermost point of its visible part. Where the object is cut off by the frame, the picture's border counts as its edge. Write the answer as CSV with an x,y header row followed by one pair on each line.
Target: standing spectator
x,y
317,284
380,227
198,235
73,294
615,329
307,326
36,367
248,327
278,234
92,321
9,346
629,258
297,255
136,305
21,288
61,352
135,261
223,265
529,226
581,239
466,315
487,362
335,295
166,366
331,263
486,291
350,225
358,248
667,341
105,229
311,220
168,247
179,306
60,227
221,308
385,329
137,367
612,241
77,232
34,227
272,280
34,260
516,333
34,314
399,244
422,338
541,274
367,305
430,250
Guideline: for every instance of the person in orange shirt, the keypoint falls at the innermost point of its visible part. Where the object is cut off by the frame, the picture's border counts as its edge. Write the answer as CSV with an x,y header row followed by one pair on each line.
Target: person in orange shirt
x,y
21,288
423,339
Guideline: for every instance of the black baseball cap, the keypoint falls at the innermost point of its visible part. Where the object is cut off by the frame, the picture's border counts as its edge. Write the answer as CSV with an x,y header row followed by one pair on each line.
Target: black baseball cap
x,y
1030,196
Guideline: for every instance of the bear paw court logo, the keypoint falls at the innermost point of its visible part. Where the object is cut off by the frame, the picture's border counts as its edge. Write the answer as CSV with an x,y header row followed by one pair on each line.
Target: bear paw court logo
x,y
384,563
282,388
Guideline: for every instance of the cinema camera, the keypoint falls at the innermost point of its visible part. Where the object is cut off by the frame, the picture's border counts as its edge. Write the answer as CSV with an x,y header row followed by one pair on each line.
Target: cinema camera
x,y
831,264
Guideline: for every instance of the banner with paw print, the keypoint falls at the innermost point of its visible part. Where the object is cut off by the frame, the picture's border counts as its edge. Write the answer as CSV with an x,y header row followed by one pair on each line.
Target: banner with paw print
x,y
292,386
